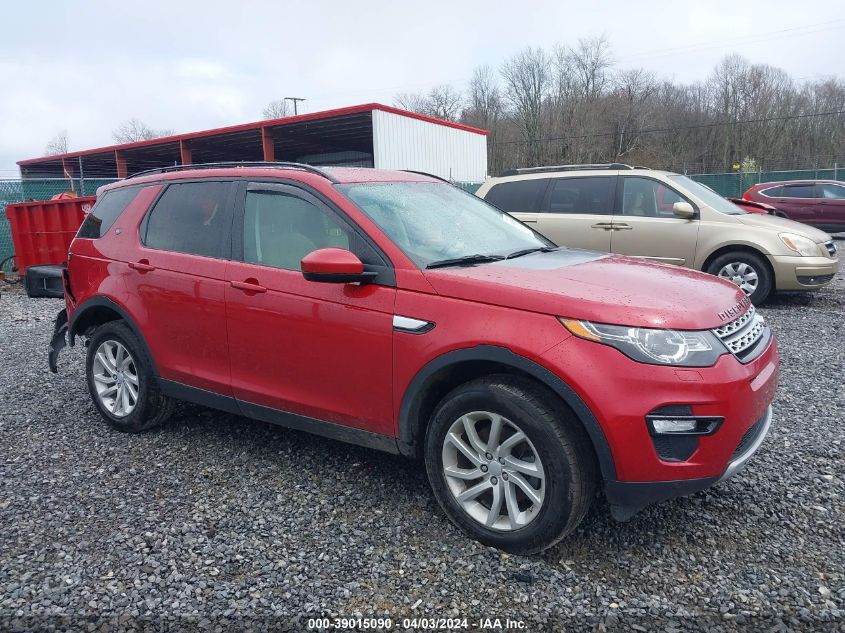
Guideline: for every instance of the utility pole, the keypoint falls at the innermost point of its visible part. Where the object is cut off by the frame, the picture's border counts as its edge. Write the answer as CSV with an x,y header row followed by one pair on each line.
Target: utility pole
x,y
295,100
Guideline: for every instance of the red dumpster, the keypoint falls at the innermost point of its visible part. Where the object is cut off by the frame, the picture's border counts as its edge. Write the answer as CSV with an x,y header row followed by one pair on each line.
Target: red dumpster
x,y
42,231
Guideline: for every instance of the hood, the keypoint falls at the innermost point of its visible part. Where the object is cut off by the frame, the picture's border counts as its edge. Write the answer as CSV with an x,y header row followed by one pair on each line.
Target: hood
x,y
597,287
783,225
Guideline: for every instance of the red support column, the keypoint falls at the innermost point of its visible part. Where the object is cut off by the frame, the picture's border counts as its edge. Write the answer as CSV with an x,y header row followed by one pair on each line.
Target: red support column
x,y
120,161
185,152
268,145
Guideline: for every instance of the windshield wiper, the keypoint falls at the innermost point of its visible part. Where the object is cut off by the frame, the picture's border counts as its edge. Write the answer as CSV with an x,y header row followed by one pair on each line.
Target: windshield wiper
x,y
528,251
466,259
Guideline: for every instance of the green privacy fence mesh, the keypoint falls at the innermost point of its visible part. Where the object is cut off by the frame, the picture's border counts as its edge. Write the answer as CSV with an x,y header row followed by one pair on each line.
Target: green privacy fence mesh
x,y
735,184
730,184
12,191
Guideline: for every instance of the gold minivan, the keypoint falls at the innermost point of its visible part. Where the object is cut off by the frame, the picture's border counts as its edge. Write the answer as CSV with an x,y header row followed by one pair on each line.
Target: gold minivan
x,y
669,218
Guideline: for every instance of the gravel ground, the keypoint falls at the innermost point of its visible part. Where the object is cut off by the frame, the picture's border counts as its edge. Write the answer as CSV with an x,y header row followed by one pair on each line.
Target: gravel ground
x,y
219,522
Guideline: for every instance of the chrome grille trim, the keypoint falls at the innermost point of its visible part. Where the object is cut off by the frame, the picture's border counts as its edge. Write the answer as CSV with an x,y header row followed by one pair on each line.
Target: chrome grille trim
x,y
740,335
729,328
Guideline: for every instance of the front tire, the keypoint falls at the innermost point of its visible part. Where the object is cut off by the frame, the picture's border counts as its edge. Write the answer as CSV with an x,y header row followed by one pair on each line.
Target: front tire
x,y
509,464
746,270
121,381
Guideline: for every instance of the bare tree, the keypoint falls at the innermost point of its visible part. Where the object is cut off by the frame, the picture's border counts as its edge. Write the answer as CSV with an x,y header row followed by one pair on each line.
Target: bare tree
x,y
444,102
527,81
275,109
57,144
135,130
411,101
484,101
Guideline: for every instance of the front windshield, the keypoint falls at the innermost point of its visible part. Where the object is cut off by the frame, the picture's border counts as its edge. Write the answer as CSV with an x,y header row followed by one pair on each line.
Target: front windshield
x,y
432,221
708,196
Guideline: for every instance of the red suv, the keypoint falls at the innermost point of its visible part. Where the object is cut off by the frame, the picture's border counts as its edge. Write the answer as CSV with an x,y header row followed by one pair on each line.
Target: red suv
x,y
819,203
395,311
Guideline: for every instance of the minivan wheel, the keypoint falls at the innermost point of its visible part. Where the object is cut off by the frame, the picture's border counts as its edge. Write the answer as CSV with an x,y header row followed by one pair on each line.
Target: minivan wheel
x,y
508,464
746,270
121,382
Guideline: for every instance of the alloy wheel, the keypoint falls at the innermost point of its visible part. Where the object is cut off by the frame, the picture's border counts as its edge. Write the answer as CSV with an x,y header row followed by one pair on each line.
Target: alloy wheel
x,y
493,471
115,378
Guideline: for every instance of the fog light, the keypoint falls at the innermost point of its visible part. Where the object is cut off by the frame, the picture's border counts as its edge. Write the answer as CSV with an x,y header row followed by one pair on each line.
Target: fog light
x,y
666,424
669,425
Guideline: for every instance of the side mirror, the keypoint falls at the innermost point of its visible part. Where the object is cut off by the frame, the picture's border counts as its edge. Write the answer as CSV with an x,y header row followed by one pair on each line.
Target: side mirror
x,y
334,266
683,210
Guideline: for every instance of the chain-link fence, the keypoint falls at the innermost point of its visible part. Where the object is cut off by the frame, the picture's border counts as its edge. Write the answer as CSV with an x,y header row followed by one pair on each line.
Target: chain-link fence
x,y
11,191
16,190
737,183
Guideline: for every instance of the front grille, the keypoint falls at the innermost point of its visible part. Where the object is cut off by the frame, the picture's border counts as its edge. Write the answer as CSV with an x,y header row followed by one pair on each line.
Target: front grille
x,y
741,335
831,248
748,437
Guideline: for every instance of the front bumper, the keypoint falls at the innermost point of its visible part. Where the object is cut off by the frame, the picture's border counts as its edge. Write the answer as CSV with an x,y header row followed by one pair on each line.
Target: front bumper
x,y
621,394
626,498
803,273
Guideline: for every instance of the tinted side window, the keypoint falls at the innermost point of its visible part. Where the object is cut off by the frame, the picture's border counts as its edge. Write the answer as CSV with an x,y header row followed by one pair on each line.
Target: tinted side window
x,y
280,229
773,192
582,195
832,192
798,191
191,218
106,210
518,196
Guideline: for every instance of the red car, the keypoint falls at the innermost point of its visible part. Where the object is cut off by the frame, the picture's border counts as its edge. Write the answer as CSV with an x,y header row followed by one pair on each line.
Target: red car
x,y
820,203
755,207
395,311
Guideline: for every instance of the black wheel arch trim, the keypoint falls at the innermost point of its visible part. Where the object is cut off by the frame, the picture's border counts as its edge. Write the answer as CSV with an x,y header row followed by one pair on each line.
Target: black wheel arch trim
x,y
410,424
105,302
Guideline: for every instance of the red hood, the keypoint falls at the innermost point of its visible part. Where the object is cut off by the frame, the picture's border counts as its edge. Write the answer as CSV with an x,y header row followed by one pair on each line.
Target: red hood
x,y
596,287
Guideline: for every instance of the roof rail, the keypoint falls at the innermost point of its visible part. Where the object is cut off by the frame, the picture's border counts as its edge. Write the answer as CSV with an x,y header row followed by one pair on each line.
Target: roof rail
x,y
540,170
230,164
425,173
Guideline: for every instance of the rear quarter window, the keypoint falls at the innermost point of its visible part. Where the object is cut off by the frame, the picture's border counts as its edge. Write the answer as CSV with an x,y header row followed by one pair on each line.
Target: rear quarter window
x,y
105,212
518,196
772,192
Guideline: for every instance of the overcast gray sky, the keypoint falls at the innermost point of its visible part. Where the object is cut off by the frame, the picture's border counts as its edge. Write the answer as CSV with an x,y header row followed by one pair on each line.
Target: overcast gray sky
x,y
189,65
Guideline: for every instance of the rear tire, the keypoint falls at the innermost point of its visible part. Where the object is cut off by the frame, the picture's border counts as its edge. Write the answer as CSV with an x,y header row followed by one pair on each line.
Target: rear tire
x,y
746,270
121,381
545,481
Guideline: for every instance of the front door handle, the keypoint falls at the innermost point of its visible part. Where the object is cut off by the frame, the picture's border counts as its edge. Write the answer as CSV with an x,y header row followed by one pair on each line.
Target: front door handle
x,y
607,226
249,286
621,226
142,266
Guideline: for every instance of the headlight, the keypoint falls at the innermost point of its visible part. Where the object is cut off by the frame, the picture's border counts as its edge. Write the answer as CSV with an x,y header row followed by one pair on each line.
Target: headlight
x,y
800,244
655,347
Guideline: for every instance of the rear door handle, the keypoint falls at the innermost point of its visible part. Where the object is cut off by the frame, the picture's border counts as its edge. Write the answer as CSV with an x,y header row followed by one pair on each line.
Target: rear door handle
x,y
250,285
607,226
621,227
142,266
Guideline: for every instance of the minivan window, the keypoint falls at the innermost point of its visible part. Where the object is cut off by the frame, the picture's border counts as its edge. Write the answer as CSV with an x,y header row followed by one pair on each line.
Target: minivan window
x,y
106,210
706,195
798,191
281,229
593,194
190,218
518,196
645,197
